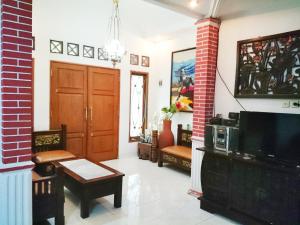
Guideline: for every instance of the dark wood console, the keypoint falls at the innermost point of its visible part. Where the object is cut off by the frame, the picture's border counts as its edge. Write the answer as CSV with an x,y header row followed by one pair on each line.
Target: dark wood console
x,y
250,191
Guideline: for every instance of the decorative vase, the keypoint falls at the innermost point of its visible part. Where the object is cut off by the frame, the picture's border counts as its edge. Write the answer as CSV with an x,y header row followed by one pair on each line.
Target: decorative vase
x,y
166,137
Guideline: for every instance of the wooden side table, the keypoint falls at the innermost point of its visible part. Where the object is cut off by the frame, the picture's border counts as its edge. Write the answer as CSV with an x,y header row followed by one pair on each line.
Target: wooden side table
x,y
149,150
144,150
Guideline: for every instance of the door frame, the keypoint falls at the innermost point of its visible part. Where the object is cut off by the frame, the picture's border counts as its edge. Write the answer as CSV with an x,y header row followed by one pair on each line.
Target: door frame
x,y
145,103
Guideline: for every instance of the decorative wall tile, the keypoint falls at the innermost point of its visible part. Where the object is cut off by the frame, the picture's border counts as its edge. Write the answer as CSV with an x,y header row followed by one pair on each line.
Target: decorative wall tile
x,y
88,51
56,46
102,55
73,49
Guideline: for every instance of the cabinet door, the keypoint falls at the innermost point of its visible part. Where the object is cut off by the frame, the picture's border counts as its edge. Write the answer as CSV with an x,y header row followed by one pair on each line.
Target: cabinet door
x,y
103,103
68,103
214,178
245,181
265,193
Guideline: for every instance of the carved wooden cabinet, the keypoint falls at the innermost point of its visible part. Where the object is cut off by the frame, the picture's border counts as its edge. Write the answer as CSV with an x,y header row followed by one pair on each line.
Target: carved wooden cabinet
x,y
250,191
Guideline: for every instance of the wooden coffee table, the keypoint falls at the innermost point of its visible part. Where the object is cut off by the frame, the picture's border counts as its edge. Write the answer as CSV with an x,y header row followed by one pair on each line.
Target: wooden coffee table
x,y
89,180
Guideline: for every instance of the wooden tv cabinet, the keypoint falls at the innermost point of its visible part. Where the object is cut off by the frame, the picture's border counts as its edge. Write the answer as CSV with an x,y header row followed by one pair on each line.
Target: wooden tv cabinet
x,y
250,191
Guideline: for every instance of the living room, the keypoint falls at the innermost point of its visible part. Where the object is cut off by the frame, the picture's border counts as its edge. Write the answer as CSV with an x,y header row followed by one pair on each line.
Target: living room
x,y
71,36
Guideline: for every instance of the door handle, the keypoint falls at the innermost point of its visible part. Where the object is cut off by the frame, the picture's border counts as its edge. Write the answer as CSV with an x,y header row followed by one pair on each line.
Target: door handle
x,y
91,109
86,113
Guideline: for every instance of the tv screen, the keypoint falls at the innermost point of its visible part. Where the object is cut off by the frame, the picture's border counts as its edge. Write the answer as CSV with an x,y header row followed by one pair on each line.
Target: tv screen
x,y
272,135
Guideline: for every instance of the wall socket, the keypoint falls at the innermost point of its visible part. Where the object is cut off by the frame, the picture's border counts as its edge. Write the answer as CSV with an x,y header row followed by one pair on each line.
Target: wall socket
x,y
286,104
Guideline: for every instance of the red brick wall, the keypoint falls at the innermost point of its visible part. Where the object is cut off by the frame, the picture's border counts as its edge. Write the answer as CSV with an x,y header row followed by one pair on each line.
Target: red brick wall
x,y
16,80
205,73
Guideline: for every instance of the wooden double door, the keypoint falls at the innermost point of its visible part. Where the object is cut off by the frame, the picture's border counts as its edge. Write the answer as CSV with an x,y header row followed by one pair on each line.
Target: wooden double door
x,y
86,99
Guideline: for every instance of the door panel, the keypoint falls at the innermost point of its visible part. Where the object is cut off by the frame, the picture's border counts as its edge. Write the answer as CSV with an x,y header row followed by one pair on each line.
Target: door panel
x,y
69,103
106,141
103,101
104,120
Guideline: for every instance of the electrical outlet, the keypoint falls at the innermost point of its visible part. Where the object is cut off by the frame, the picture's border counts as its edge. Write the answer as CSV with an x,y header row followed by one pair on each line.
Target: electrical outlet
x,y
295,103
286,104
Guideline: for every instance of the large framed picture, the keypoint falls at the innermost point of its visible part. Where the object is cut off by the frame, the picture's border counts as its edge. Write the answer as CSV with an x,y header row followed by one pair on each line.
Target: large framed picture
x,y
269,67
182,78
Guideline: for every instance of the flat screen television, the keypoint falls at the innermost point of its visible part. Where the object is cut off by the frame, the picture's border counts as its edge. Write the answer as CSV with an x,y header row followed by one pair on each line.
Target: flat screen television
x,y
273,136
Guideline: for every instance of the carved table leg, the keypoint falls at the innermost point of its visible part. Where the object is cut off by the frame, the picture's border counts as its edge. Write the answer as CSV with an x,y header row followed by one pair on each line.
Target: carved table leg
x,y
118,195
84,208
160,159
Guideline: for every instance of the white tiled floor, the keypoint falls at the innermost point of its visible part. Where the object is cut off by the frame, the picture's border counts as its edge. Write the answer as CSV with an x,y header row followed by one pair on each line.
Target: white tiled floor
x,y
151,196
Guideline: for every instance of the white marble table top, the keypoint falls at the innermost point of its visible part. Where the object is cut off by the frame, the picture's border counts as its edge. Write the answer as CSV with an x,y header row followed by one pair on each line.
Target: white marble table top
x,y
86,169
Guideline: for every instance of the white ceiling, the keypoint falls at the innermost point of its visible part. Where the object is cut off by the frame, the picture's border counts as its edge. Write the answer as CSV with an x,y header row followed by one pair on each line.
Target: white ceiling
x,y
226,9
152,22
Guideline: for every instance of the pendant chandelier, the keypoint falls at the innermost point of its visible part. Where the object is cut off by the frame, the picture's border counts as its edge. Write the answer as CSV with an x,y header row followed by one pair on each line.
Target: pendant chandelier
x,y
113,48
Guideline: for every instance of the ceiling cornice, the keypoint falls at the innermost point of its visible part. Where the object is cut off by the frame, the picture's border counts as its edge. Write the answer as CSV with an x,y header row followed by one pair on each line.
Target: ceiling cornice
x,y
215,5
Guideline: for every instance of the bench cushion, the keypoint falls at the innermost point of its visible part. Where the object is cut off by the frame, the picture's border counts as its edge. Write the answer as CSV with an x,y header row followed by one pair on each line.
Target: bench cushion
x,y
53,155
180,151
35,176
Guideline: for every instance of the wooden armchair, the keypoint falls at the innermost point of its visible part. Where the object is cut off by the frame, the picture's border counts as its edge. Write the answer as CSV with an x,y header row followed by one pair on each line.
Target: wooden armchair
x,y
180,154
48,197
49,146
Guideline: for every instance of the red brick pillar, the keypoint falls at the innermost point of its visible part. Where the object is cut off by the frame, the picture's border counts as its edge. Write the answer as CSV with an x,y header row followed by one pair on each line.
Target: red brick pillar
x,y
16,112
205,74
204,92
16,80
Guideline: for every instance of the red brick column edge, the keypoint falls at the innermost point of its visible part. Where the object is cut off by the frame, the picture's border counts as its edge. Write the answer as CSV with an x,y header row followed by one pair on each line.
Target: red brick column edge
x,y
16,80
205,73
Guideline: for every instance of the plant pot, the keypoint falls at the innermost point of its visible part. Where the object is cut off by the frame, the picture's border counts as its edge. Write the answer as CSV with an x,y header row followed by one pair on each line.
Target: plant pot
x,y
166,137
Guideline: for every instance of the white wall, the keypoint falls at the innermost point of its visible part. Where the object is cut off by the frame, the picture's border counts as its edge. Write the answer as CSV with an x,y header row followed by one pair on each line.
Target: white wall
x,y
82,24
242,28
86,23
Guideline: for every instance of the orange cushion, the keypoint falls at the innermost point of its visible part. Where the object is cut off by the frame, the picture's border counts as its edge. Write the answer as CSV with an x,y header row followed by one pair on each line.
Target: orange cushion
x,y
180,151
50,156
35,176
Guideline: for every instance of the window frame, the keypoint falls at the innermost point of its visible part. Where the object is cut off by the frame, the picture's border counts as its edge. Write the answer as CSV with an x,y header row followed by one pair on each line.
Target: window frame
x,y
145,75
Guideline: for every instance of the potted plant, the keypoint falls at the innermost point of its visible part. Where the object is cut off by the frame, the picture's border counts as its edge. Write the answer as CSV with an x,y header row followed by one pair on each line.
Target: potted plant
x,y
166,137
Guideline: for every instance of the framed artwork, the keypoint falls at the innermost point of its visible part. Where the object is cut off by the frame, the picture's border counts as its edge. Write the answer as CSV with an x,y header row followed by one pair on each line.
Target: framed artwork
x,y
182,78
33,43
269,67
73,49
134,59
88,51
56,47
145,61
102,55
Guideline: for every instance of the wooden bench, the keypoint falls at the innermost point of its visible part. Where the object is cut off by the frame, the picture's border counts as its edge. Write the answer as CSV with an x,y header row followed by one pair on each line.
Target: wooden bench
x,y
180,154
49,146
48,197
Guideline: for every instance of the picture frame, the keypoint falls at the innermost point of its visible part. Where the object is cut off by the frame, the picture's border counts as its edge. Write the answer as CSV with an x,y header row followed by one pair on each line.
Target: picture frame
x,y
33,43
268,67
134,59
145,61
182,78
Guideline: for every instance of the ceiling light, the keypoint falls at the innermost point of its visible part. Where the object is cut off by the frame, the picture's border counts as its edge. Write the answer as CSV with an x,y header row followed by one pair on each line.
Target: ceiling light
x,y
194,3
113,47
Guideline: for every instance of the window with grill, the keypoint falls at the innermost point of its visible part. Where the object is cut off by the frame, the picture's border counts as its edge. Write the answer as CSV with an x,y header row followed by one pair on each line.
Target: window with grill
x,y
138,105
